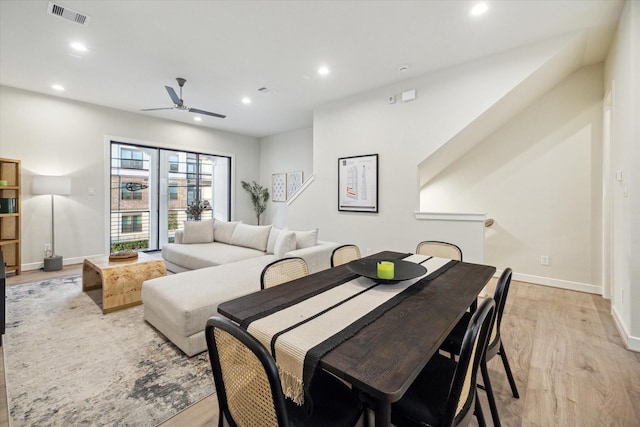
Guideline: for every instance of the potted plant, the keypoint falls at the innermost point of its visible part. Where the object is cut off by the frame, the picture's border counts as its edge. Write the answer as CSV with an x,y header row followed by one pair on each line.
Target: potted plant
x,y
259,197
195,208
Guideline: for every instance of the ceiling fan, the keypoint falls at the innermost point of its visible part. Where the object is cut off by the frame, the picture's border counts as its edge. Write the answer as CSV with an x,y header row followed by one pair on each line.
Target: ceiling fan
x,y
178,104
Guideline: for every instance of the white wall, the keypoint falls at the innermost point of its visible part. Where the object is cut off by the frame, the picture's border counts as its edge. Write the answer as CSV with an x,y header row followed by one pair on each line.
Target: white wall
x,y
539,178
54,136
286,152
621,78
403,134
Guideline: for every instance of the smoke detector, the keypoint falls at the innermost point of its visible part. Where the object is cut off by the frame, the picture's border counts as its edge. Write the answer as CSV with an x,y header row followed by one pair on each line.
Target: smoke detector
x,y
67,14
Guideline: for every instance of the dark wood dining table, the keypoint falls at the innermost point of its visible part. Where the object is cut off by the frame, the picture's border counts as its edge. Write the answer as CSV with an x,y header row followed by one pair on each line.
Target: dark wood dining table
x,y
384,357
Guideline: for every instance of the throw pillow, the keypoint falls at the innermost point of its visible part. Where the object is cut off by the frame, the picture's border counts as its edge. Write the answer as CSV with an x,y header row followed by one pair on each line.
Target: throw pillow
x,y
286,243
223,230
198,231
273,237
306,239
251,236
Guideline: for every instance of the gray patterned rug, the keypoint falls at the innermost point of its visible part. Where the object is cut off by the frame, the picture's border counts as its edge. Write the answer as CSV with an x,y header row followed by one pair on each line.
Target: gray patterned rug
x,y
67,364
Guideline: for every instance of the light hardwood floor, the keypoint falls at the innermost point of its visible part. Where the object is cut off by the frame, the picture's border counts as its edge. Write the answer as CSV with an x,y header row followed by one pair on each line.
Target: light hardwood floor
x,y
569,362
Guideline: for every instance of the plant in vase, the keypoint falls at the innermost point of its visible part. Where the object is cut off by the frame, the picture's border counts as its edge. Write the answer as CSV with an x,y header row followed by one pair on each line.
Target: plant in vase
x,y
195,208
259,197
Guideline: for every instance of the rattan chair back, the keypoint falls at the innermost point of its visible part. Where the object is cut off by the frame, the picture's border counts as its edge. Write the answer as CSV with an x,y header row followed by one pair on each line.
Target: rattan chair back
x,y
439,249
245,375
474,344
343,254
283,270
500,297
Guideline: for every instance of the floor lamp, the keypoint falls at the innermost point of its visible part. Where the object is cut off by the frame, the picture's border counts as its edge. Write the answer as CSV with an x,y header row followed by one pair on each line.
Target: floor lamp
x,y
52,185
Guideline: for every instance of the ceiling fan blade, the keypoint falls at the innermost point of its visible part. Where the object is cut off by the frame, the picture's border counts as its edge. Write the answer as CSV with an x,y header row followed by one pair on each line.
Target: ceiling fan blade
x,y
174,96
155,109
195,110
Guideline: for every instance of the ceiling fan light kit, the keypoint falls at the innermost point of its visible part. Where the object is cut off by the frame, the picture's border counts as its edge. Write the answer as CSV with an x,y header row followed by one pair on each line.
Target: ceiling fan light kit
x,y
178,103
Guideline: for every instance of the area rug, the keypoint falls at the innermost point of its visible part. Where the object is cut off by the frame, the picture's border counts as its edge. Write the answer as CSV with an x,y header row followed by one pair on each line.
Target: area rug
x,y
68,364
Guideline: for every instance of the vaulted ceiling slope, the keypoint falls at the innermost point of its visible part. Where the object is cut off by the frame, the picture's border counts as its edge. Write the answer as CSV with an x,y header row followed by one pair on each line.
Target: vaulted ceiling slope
x,y
512,81
227,50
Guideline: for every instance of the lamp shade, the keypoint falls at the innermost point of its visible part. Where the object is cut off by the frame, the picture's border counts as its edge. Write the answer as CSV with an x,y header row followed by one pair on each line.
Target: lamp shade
x,y
45,184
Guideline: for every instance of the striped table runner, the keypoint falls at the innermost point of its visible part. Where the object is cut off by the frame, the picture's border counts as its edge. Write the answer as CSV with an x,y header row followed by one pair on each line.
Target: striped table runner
x,y
300,334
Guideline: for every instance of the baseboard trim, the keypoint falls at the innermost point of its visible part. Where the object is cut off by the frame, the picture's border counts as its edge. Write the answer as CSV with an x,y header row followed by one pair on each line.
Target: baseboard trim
x,y
632,343
66,261
556,283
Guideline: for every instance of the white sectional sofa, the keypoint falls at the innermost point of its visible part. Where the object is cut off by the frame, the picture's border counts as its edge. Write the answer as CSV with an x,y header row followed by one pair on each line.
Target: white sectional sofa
x,y
219,261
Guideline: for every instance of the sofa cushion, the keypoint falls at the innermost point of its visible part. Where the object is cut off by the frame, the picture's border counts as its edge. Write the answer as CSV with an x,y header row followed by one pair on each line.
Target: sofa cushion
x,y
251,236
198,231
273,236
306,239
201,255
286,242
223,230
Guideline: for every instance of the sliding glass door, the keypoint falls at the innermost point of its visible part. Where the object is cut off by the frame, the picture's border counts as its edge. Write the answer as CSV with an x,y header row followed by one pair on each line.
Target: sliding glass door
x,y
152,187
188,178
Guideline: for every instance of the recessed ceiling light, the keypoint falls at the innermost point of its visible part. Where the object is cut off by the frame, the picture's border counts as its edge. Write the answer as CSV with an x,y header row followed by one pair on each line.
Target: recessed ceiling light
x,y
403,68
323,71
479,8
197,119
79,47
246,100
57,87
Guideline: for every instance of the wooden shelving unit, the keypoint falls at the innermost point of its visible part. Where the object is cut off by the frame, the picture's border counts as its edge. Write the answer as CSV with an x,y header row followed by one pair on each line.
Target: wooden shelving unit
x,y
10,222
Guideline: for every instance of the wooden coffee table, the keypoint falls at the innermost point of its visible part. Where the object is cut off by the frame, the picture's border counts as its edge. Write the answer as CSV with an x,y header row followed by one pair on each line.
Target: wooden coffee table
x,y
121,281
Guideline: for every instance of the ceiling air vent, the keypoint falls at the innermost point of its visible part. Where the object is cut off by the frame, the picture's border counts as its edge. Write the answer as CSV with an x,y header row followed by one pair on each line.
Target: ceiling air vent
x,y
266,90
68,14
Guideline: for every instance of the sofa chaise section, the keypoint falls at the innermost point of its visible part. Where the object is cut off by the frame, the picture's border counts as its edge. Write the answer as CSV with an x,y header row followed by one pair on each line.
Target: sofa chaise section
x,y
179,305
217,267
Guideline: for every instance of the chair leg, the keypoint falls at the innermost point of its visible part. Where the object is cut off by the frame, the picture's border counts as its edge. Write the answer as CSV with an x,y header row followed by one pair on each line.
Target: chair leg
x,y
489,390
478,413
365,416
505,362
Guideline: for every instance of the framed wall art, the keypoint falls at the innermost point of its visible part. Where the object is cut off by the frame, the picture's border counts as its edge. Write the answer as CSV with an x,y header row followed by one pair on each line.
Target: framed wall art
x,y
358,183
279,187
294,182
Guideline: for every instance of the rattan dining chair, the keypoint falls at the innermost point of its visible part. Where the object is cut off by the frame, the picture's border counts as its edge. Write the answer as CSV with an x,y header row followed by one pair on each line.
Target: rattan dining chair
x,y
283,270
439,249
343,254
444,392
494,346
250,393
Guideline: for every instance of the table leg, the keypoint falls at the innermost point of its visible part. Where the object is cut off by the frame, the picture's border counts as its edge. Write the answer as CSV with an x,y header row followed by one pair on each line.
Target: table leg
x,y
382,413
381,409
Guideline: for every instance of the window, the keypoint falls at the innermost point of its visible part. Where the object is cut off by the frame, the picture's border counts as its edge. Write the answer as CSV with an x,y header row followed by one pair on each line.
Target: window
x,y
191,169
191,195
126,194
173,192
174,166
132,223
131,159
151,187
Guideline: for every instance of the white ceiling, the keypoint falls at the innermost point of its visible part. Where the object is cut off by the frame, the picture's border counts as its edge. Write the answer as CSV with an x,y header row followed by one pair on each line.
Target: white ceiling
x,y
228,49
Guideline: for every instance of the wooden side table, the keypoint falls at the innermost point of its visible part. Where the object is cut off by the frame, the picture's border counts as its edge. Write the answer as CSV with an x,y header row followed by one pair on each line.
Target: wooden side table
x,y
121,281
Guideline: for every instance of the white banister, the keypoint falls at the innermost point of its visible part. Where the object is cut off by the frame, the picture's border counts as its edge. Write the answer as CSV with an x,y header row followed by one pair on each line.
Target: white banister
x,y
301,189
